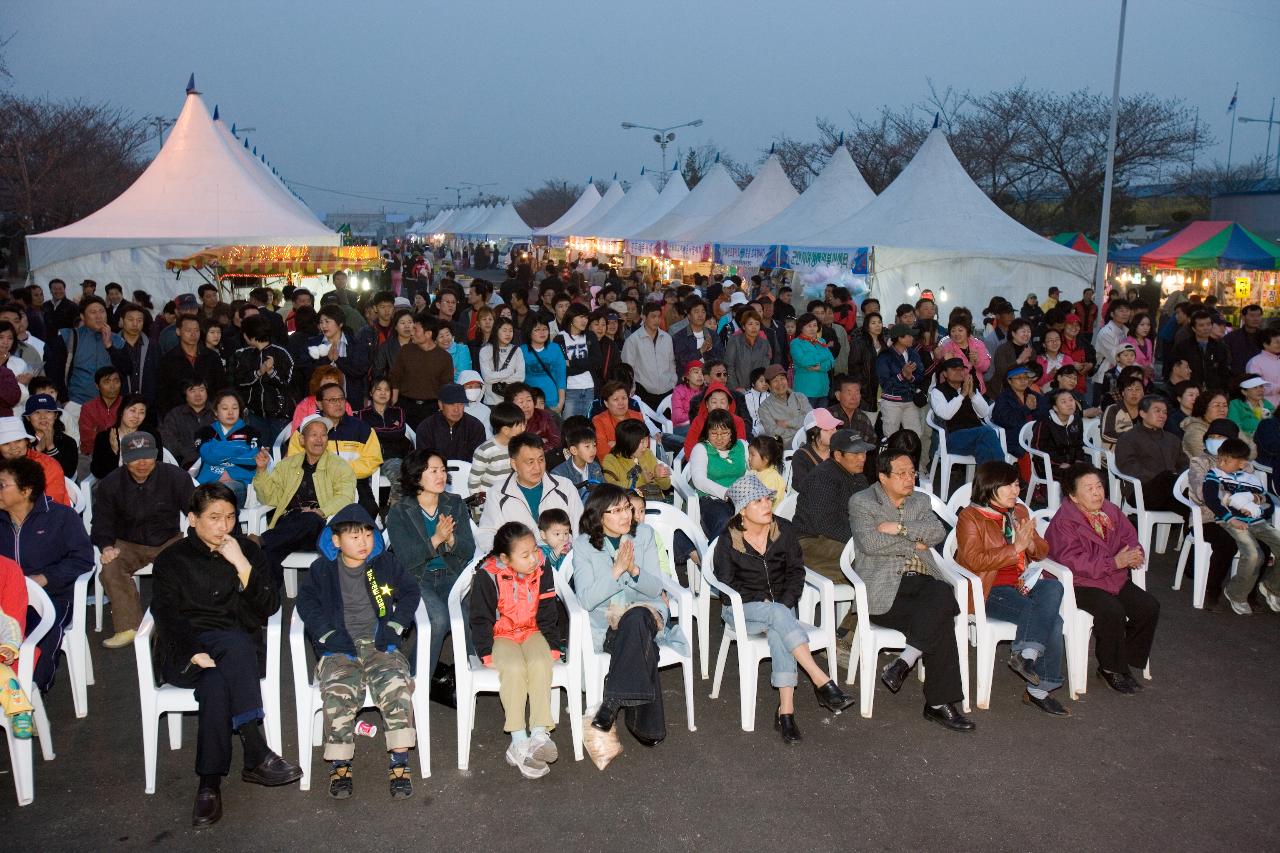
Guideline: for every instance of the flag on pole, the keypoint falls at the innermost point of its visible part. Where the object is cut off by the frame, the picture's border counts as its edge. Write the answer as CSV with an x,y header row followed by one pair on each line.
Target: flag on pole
x,y
1231,107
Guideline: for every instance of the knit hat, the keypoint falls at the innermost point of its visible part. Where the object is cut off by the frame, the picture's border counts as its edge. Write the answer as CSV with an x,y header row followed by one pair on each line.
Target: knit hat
x,y
747,489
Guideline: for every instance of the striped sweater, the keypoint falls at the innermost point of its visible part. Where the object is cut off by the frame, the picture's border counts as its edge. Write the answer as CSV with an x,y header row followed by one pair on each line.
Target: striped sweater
x,y
490,464
1230,495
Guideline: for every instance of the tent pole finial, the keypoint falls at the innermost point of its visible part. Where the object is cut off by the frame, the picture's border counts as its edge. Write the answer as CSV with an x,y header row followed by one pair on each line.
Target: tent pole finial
x,y
937,120
191,84
215,113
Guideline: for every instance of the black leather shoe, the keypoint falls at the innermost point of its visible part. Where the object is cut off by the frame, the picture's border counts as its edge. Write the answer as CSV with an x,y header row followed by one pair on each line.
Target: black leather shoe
x,y
895,674
605,716
831,697
1117,681
949,717
444,689
1134,684
208,807
273,771
786,725
1024,668
1048,704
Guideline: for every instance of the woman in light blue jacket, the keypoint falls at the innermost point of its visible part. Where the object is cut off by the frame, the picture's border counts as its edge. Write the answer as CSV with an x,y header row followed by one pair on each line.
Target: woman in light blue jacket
x,y
617,579
460,353
812,361
544,364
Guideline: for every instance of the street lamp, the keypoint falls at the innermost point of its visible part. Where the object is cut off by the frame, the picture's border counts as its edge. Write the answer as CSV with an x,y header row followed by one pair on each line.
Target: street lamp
x,y
663,136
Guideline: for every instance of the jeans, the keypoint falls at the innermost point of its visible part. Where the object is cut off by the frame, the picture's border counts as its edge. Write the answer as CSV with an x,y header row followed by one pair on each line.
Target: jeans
x,y
1039,625
818,402
981,442
1247,541
435,587
783,631
673,441
715,515
577,401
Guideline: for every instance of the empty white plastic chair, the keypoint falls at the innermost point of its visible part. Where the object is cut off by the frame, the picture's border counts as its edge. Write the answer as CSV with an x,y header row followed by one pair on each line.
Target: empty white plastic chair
x,y
75,642
753,648
157,701
472,677
308,705
1195,545
20,755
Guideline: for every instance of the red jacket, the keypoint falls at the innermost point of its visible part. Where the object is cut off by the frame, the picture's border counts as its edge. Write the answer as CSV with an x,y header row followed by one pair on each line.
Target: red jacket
x,y
511,606
700,419
55,481
13,593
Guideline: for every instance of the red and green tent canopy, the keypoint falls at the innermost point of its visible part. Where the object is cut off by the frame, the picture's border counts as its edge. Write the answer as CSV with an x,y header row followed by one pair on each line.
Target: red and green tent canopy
x,y
1205,246
1076,240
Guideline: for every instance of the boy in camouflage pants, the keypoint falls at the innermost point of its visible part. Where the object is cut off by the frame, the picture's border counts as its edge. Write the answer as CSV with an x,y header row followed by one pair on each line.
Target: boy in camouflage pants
x,y
357,604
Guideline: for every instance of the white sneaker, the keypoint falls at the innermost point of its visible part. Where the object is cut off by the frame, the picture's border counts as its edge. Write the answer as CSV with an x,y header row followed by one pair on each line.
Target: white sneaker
x,y
1241,608
519,757
543,748
1273,600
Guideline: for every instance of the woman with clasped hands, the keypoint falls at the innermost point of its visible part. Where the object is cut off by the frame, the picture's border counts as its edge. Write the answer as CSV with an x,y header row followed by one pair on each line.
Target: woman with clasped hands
x,y
213,596
1092,537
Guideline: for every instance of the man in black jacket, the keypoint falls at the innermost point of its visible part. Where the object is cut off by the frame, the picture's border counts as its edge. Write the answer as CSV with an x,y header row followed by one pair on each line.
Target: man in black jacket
x,y
135,517
451,430
213,596
822,516
1207,356
189,360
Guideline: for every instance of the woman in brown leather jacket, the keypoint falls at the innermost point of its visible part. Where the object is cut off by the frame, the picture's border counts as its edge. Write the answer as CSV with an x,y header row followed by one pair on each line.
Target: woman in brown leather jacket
x,y
996,539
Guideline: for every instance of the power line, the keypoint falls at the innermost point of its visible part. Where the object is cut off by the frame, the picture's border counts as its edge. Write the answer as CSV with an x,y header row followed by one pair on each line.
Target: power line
x,y
414,202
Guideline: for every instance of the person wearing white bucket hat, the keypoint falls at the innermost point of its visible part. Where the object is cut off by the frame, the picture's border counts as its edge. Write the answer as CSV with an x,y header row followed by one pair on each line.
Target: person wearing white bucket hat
x,y
15,442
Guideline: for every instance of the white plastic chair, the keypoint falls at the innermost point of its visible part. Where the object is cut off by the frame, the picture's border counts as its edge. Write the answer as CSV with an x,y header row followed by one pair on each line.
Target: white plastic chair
x,y
1093,441
166,456
753,648
946,459
959,501
79,497
595,665
869,639
1158,521
75,642
787,508
175,701
667,520
985,633
20,755
459,474
307,701
473,677
1195,545
664,414
292,564
1040,461
281,443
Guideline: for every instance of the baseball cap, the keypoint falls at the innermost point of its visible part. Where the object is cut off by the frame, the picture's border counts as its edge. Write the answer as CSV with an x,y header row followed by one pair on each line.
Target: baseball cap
x,y
738,298
453,393
42,403
1017,370
773,371
949,363
310,419
137,446
1071,320
901,330
848,441
822,419
185,300
690,365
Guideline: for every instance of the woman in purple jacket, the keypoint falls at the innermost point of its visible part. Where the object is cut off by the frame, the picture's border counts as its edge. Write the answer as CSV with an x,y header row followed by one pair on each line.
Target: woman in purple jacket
x,y
1093,538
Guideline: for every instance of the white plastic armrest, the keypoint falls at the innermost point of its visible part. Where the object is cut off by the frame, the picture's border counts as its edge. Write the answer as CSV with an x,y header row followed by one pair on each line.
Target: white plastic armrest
x,y
422,634
965,582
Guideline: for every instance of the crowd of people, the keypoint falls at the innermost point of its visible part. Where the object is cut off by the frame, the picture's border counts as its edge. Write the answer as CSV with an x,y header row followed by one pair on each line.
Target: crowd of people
x,y
571,397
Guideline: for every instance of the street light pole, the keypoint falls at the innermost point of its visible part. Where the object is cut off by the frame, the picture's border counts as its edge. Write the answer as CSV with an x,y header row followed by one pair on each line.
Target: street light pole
x,y
1269,121
1104,230
664,137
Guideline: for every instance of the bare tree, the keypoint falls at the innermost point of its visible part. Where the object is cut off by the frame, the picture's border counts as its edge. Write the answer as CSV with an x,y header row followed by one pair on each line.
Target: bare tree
x,y
543,205
698,161
1207,181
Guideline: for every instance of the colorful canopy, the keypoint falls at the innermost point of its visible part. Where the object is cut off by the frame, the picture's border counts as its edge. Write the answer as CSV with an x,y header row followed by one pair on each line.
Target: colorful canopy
x,y
1076,240
1205,246
281,260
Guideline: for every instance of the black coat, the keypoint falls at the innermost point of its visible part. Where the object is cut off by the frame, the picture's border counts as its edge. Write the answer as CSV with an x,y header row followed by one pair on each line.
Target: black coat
x,y
176,371
197,590
777,575
1064,444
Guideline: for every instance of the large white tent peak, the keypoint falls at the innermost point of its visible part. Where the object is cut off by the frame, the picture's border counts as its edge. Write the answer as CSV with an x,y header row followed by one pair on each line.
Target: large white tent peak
x,y
623,216
198,192
581,207
837,193
713,193
505,222
768,194
612,197
672,194
935,227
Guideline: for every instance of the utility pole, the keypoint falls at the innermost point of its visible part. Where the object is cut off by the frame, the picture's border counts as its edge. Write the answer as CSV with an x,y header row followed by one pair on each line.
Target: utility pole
x,y
160,123
1270,120
1104,231
1231,140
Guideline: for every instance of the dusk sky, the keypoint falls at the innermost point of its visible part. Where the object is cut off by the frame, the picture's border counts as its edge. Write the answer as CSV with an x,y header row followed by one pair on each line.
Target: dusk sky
x,y
400,100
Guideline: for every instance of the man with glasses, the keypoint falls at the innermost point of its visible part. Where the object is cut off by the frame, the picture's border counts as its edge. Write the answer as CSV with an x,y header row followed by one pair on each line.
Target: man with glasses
x,y
350,438
894,528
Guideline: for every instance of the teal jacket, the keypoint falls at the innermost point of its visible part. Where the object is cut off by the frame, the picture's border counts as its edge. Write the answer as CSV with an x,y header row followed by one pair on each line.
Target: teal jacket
x,y
805,354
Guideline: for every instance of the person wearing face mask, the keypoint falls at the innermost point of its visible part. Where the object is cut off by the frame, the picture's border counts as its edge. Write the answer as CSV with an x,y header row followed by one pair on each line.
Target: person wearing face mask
x,y
473,385
1222,543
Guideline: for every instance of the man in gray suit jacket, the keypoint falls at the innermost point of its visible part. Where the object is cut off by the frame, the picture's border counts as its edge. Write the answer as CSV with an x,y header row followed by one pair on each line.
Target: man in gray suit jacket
x,y
893,529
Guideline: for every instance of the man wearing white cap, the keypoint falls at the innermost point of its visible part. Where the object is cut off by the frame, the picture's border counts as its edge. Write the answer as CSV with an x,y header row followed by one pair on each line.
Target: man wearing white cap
x,y
15,441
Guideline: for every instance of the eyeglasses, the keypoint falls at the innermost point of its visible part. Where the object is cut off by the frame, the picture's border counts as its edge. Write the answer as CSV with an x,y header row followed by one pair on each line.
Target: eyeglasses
x,y
334,400
910,472
620,508
7,485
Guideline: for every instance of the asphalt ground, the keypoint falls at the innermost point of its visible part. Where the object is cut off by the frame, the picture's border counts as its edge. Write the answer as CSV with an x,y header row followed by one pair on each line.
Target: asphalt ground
x,y
1191,764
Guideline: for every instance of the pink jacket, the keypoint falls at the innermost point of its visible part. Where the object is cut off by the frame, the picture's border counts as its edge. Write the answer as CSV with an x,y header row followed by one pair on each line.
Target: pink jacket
x,y
1074,543
979,364
681,396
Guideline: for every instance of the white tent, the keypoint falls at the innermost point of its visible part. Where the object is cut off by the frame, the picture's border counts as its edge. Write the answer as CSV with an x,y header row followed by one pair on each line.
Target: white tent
x,y
768,194
442,226
617,221
714,193
470,217
262,173
197,193
586,202
505,222
836,194
612,197
672,194
935,228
